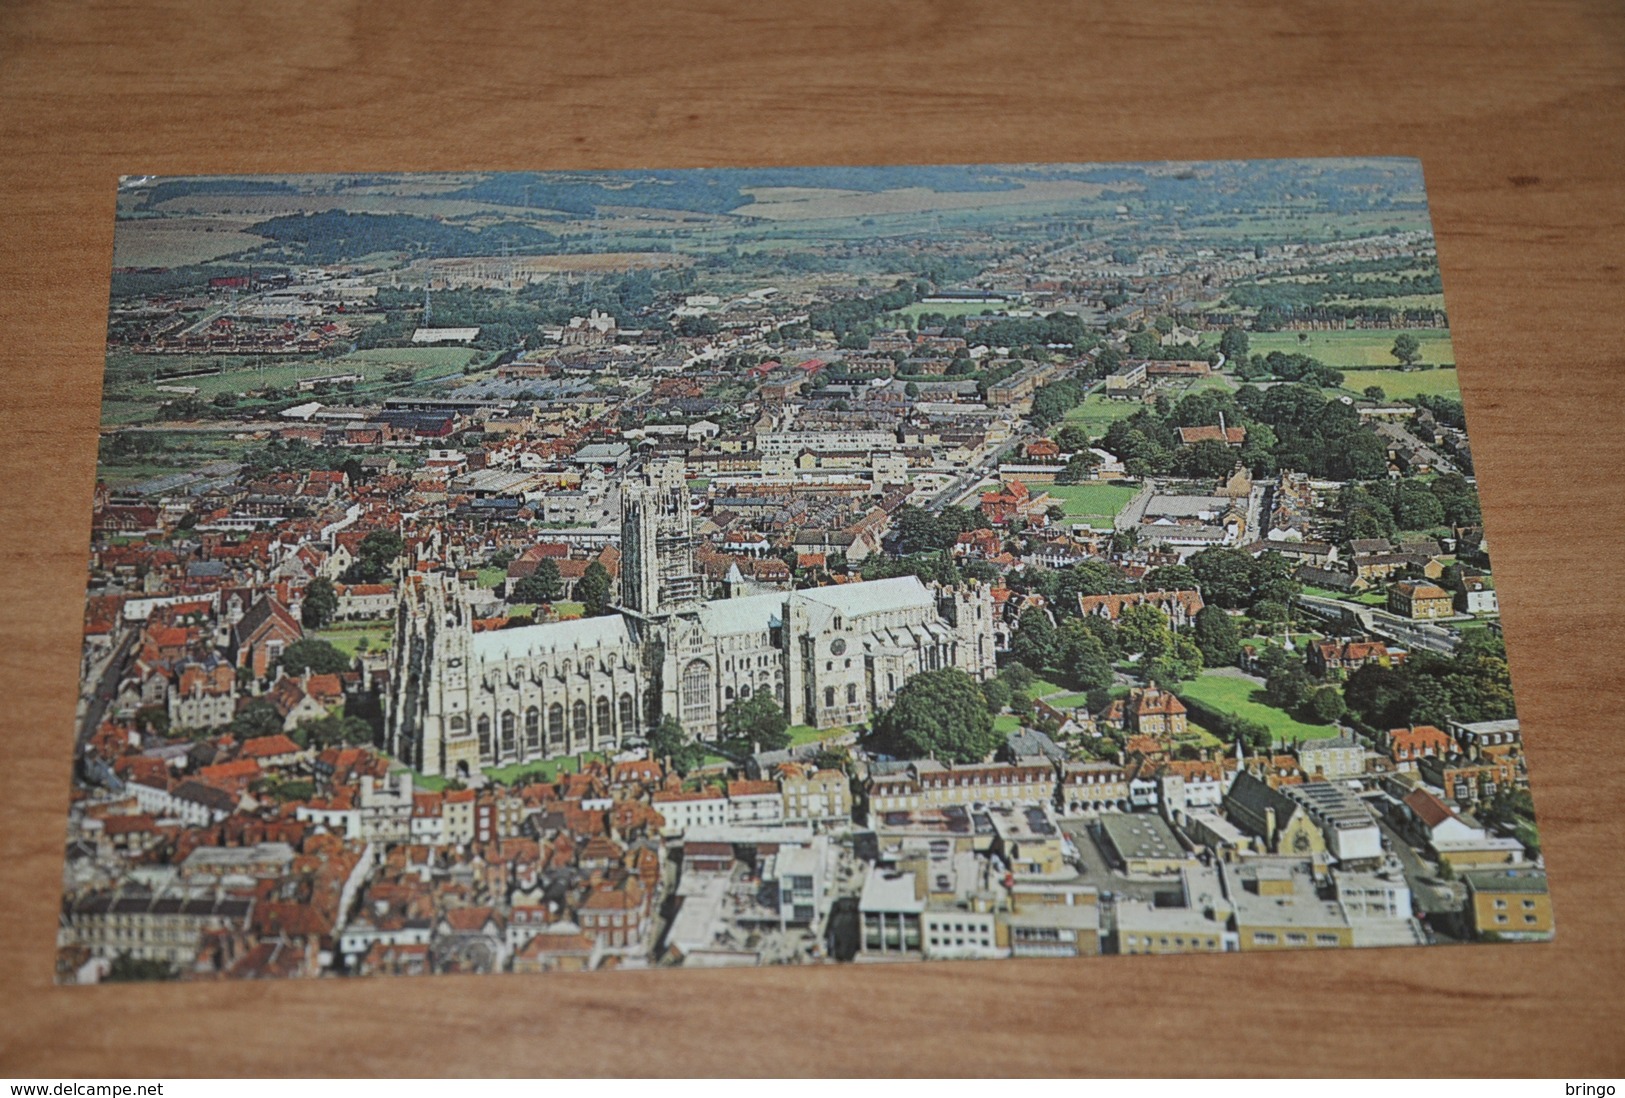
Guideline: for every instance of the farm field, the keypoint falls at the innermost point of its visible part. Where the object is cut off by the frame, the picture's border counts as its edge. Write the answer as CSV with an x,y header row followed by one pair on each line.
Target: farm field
x,y
180,241
1402,385
1099,502
1355,348
1235,696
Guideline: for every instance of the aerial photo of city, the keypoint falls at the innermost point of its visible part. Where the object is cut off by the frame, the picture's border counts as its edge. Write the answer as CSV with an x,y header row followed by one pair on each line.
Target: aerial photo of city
x,y
563,571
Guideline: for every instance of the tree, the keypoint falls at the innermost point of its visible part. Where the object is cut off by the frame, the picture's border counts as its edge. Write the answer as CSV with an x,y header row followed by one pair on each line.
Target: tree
x,y
1374,392
592,590
938,714
998,694
1169,577
1379,695
320,604
1206,460
1406,349
313,655
756,723
1255,735
1233,346
1326,705
541,585
1287,687
1072,438
1225,577
1416,507
667,740
334,730
1034,641
375,557
1144,629
1143,344
256,718
1080,469
127,969
1082,656
1217,637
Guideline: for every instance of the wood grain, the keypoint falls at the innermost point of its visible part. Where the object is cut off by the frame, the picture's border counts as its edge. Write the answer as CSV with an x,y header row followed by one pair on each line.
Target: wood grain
x,y
1515,111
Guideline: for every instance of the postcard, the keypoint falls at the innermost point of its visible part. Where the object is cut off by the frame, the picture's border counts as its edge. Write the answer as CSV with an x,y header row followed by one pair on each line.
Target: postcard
x,y
567,571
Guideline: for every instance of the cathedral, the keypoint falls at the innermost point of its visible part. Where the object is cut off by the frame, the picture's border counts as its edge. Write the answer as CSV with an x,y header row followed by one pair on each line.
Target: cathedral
x,y
460,701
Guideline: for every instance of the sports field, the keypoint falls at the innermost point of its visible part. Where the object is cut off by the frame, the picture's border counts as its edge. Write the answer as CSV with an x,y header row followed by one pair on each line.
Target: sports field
x,y
1096,413
243,375
1404,384
1355,348
1095,503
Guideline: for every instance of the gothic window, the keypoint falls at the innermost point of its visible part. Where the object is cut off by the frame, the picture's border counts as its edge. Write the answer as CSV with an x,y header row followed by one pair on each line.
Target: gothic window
x,y
628,714
891,682
578,719
483,726
564,668
851,693
459,724
744,691
588,666
697,687
533,728
829,696
510,724
602,718
779,690
555,723
727,693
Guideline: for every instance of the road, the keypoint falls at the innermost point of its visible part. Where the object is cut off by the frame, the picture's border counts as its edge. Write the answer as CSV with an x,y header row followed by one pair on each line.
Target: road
x,y
967,482
96,703
1432,899
1098,872
1405,440
1412,634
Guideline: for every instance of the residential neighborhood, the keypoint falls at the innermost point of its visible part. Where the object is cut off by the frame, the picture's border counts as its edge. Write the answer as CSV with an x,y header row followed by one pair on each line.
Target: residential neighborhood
x,y
530,573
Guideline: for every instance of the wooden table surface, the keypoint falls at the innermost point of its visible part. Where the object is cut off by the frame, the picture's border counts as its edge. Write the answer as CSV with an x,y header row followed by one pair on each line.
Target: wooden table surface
x,y
1516,112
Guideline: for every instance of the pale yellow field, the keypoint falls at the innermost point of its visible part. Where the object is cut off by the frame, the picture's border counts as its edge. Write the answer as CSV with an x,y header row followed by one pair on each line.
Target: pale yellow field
x,y
555,264
809,203
262,206
179,241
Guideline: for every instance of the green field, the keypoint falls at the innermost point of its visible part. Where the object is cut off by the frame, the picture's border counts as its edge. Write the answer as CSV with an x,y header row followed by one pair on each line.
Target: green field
x,y
1241,698
543,770
1006,723
1402,385
347,638
1096,413
1354,348
806,733
283,371
1096,503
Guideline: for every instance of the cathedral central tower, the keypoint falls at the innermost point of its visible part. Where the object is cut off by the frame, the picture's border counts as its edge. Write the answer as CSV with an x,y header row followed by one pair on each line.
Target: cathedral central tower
x,y
658,573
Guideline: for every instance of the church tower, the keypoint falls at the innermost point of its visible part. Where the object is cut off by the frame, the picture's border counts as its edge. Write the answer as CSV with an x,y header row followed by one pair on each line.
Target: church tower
x,y
658,572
